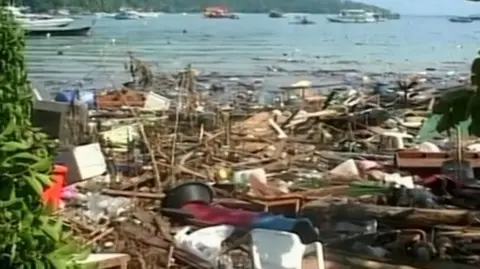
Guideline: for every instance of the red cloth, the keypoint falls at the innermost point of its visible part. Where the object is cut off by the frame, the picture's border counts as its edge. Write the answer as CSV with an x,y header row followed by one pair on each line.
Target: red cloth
x,y
53,193
219,215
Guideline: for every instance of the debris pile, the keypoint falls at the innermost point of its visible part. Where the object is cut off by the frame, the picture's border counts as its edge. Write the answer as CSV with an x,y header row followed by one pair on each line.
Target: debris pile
x,y
359,170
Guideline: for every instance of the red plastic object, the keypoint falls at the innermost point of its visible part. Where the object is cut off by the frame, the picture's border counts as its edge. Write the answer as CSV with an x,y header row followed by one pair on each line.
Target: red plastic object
x,y
217,215
53,193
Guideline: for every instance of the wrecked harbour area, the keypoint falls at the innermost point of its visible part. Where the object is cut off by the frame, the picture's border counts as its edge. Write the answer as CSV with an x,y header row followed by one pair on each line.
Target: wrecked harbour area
x,y
164,173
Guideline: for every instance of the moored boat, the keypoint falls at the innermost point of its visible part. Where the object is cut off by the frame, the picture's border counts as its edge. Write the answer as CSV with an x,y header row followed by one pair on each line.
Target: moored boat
x,y
54,22
461,19
392,16
275,14
148,14
355,16
218,13
126,15
40,20
302,21
57,31
139,14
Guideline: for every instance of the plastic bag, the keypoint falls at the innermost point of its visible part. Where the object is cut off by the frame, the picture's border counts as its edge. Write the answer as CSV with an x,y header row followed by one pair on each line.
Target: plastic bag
x,y
204,243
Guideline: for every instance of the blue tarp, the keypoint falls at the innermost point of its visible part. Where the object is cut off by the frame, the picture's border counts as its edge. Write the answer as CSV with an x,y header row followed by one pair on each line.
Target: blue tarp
x,y
276,222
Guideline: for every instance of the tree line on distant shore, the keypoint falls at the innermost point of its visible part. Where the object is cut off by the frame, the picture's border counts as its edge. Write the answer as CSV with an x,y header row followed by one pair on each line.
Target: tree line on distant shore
x,y
246,6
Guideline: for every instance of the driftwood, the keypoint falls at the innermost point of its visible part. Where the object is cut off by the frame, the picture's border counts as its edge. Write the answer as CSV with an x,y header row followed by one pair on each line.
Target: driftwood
x,y
358,261
401,216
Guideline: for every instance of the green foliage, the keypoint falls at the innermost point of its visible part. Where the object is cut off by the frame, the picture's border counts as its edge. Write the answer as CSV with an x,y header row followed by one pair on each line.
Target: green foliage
x,y
456,107
247,6
30,237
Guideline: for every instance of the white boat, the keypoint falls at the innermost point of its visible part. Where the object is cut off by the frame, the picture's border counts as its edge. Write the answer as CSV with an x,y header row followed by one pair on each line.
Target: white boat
x,y
126,15
63,12
355,16
128,12
148,14
41,20
105,15
54,22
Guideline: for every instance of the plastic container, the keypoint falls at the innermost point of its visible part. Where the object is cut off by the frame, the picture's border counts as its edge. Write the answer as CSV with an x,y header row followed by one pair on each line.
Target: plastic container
x,y
178,196
53,193
84,96
204,243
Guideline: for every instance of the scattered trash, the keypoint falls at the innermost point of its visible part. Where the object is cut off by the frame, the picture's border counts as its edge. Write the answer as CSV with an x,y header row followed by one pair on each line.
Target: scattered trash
x,y
341,168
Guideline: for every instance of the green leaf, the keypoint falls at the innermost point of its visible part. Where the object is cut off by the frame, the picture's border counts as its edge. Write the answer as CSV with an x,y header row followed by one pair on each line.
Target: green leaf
x,y
44,179
24,155
42,165
14,146
83,254
27,219
66,250
9,202
54,229
9,129
57,262
39,264
34,183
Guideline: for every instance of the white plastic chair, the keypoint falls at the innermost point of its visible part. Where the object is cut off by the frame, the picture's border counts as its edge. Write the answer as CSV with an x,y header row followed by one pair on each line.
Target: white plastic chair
x,y
282,250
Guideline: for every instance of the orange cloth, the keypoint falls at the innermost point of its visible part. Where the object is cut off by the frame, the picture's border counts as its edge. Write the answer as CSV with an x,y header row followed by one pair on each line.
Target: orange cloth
x,y
53,193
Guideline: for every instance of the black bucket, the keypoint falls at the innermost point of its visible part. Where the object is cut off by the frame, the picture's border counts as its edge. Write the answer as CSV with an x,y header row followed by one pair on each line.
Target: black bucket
x,y
179,195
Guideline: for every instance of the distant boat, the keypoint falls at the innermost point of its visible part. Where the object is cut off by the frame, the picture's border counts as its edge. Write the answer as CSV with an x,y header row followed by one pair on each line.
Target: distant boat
x,y
219,13
355,16
148,14
40,20
302,21
475,17
126,15
392,16
57,31
275,14
461,19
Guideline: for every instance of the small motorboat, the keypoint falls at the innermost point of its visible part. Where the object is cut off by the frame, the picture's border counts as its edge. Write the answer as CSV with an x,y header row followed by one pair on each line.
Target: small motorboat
x,y
219,13
57,31
40,20
392,16
60,31
461,19
275,14
126,15
303,21
148,14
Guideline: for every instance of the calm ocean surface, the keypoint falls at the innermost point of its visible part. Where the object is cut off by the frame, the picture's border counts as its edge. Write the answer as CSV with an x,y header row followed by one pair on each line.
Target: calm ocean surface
x,y
248,45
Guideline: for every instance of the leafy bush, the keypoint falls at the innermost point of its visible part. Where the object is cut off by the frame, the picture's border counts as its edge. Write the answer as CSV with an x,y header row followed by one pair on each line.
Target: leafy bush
x,y
30,236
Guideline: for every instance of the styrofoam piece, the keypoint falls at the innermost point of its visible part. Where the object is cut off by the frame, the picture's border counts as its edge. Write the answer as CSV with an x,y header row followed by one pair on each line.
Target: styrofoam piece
x,y
83,162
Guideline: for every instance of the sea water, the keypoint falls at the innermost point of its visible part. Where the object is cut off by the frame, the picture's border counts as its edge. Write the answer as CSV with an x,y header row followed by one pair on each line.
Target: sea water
x,y
248,45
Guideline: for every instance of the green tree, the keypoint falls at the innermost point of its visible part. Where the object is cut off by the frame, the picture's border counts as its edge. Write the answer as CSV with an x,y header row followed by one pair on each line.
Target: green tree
x,y
30,236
